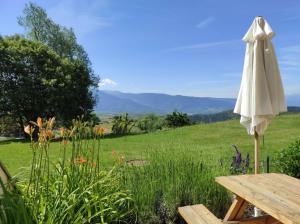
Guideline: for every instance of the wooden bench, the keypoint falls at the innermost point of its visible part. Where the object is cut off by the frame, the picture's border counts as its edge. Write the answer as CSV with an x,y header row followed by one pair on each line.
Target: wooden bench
x,y
198,214
4,176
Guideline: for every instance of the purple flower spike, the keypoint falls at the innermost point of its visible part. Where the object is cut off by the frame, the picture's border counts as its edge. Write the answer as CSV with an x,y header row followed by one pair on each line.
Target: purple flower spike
x,y
247,162
238,158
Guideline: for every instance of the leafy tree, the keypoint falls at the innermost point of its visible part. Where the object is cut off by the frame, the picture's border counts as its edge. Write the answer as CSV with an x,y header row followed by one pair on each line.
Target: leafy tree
x,y
35,81
62,40
150,123
122,124
177,119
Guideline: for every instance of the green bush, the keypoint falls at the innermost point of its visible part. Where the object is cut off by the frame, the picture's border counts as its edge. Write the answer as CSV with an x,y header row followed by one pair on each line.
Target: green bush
x,y
122,124
150,123
8,126
177,119
288,160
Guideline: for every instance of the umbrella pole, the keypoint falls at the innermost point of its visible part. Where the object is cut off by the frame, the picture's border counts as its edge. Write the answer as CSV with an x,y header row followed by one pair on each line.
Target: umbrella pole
x,y
256,154
257,211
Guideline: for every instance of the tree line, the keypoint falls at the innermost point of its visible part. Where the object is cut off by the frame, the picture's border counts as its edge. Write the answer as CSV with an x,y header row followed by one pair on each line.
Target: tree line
x,y
124,124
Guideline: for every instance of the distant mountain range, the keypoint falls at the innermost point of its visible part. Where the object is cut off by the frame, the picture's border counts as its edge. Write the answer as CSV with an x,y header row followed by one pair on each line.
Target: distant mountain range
x,y
113,102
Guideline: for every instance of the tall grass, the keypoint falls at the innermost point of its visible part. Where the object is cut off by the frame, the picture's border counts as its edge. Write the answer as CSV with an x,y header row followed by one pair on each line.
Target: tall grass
x,y
73,190
167,180
13,209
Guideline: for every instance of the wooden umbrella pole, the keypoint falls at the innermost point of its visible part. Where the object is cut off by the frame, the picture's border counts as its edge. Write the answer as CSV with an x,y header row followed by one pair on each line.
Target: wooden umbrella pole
x,y
256,156
257,211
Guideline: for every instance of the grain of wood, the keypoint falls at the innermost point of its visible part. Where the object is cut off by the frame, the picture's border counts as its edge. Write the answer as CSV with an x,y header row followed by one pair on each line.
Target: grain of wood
x,y
236,209
264,192
198,214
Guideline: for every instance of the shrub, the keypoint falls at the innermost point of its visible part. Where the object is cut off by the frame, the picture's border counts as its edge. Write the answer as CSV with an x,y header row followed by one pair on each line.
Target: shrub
x,y
288,160
177,119
150,123
8,126
122,124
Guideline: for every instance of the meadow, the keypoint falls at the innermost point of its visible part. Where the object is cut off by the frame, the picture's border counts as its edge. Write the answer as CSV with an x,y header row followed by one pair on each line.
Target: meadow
x,y
166,169
205,142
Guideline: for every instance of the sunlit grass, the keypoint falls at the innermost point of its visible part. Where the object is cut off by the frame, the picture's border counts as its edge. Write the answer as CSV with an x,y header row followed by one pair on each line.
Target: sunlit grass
x,y
210,141
180,164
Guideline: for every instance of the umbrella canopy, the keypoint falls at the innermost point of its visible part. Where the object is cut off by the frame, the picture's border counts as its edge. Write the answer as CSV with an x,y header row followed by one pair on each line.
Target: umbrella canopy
x,y
261,94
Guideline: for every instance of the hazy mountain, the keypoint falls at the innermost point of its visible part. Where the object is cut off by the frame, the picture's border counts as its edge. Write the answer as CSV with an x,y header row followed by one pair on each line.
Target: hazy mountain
x,y
108,103
118,102
113,102
293,100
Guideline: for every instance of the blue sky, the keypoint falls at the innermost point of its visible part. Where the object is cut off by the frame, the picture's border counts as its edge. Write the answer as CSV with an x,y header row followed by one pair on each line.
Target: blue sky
x,y
191,47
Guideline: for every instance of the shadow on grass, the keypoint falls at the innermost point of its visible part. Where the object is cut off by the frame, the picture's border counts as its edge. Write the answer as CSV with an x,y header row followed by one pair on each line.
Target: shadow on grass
x,y
14,140
111,135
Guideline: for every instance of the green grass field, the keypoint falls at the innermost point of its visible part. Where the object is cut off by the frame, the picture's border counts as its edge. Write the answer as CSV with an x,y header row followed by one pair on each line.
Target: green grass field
x,y
181,163
206,142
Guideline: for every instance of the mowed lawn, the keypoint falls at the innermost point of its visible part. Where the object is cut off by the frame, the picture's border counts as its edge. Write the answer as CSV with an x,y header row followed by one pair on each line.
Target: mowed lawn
x,y
207,142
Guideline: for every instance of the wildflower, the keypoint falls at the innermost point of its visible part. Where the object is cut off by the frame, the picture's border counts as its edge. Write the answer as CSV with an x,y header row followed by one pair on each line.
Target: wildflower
x,y
65,142
114,153
73,132
121,159
247,161
99,130
28,129
50,134
82,160
51,122
39,122
62,132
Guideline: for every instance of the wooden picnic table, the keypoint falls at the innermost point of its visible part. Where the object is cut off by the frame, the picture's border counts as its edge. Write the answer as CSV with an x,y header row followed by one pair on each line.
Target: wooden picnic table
x,y
278,195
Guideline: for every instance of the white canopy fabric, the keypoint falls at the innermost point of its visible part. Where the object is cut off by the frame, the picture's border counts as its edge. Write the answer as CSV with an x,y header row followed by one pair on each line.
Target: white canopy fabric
x,y
261,94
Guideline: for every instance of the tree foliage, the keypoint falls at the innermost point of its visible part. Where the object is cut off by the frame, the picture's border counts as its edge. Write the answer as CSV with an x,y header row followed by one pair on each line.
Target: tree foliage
x,y
62,40
35,81
150,123
177,119
287,160
122,124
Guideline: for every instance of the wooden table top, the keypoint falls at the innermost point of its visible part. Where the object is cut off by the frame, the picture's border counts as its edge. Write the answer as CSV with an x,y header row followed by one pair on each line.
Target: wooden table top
x,y
276,194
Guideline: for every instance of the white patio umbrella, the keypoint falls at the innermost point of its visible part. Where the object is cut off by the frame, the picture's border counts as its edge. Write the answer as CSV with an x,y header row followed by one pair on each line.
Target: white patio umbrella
x,y
261,95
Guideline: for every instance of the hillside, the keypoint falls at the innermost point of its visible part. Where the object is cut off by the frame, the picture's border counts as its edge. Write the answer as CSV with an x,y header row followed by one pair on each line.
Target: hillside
x,y
209,142
113,102
227,115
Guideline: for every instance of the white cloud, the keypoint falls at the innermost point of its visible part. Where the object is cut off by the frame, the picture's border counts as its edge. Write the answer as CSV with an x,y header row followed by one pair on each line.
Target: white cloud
x,y
205,22
106,82
202,45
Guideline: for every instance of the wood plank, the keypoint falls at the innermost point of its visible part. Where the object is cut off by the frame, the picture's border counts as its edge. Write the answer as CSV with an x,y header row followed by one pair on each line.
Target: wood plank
x,y
279,204
206,214
251,189
279,188
288,183
255,220
236,209
198,214
190,216
4,175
